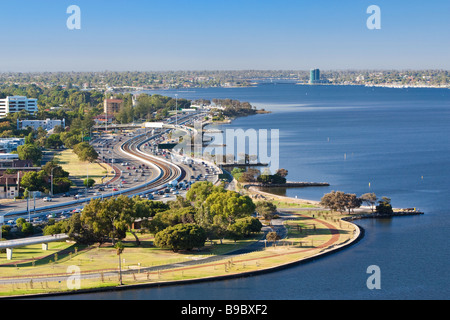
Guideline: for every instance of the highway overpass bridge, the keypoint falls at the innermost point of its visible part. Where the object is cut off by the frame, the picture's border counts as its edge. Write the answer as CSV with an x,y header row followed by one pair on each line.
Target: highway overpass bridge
x,y
44,240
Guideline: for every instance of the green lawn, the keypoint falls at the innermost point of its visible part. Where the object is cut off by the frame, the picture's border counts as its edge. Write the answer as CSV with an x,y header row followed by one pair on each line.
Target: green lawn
x,y
77,169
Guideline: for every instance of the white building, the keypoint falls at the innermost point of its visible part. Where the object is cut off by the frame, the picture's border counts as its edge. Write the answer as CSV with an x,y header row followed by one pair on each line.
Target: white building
x,y
10,144
45,124
16,104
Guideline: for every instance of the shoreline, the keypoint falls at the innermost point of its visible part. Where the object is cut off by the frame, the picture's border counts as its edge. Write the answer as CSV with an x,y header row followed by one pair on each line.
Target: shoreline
x,y
358,234
334,247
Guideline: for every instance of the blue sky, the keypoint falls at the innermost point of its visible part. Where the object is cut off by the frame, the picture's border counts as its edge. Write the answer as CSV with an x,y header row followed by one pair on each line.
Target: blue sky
x,y
147,35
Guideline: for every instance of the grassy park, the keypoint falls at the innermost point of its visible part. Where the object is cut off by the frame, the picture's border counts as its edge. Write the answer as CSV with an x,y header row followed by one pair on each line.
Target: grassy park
x,y
79,170
307,235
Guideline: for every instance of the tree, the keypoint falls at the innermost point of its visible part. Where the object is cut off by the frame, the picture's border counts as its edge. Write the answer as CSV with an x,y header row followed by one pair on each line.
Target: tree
x,y
370,199
27,228
384,206
89,182
243,227
61,185
170,218
272,236
282,173
53,141
53,167
20,222
352,202
335,200
181,237
229,204
33,181
199,191
5,230
266,209
30,152
109,219
85,152
119,250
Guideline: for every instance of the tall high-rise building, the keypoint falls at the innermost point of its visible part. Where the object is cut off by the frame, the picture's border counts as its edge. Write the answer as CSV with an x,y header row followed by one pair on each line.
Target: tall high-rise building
x,y
111,106
314,76
13,104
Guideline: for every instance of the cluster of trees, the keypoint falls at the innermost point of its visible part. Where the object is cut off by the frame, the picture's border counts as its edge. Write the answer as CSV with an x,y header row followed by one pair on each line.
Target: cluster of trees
x,y
106,220
209,212
340,201
235,108
254,175
266,209
30,151
41,180
147,105
174,79
24,229
219,213
85,152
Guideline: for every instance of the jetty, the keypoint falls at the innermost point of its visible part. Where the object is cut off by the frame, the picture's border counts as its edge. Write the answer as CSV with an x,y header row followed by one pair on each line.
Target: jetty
x,y
375,215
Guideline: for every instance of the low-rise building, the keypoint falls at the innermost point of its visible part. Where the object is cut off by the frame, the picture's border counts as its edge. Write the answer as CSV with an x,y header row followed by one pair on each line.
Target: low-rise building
x,y
8,145
9,188
46,124
100,119
13,104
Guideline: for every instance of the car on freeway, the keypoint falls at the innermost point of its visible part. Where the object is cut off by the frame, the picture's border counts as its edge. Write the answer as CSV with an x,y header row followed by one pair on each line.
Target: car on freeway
x,y
47,199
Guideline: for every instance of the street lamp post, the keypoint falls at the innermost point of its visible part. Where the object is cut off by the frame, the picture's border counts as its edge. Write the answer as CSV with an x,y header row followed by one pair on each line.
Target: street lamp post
x,y
51,192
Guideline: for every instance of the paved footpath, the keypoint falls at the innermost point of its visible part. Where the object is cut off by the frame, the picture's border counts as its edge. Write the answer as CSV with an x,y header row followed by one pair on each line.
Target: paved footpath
x,y
277,225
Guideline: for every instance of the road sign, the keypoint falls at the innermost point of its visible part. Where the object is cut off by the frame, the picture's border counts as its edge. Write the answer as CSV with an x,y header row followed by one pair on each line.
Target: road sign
x,y
167,146
223,176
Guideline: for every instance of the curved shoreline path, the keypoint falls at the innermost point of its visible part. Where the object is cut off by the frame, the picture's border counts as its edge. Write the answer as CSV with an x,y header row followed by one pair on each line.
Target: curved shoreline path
x,y
259,257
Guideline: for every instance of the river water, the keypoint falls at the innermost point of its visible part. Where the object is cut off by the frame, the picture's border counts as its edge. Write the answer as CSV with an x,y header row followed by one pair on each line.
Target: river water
x,y
394,142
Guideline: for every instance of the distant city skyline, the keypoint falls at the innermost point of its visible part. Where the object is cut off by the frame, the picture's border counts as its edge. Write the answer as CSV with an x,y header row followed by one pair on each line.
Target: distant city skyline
x,y
223,35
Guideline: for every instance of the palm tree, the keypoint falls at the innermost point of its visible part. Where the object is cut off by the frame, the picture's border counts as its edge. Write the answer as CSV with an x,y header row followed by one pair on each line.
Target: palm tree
x,y
119,249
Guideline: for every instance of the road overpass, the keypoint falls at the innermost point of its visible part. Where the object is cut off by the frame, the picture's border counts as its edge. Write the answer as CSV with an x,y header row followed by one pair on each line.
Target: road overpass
x,y
44,240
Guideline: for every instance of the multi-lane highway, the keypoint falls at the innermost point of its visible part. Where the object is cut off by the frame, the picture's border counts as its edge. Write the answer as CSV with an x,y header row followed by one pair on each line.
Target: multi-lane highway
x,y
137,168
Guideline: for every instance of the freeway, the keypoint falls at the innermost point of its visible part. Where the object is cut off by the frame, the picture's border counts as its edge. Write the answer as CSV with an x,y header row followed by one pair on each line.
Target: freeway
x,y
132,159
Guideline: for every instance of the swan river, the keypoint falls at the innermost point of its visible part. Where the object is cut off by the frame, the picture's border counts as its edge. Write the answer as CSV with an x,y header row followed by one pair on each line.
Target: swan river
x,y
394,142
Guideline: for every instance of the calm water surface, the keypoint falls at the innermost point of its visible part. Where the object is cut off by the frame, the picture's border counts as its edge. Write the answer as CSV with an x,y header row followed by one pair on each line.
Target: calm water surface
x,y
395,139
